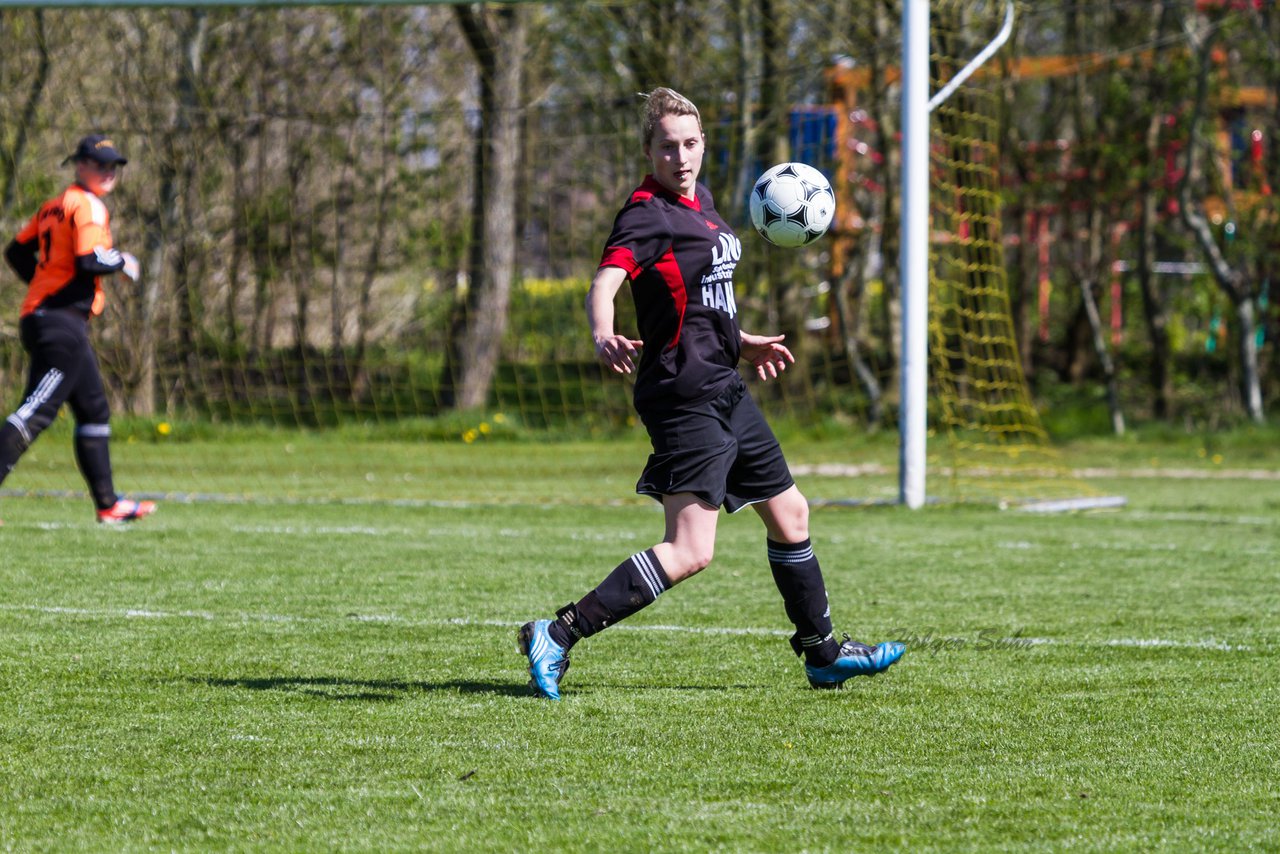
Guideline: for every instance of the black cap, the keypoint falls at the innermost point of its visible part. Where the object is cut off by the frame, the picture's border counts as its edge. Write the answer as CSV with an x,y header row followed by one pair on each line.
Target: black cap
x,y
97,147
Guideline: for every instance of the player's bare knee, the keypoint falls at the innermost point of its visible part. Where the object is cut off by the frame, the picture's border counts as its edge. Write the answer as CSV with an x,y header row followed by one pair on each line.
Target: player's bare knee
x,y
787,520
699,559
800,521
690,561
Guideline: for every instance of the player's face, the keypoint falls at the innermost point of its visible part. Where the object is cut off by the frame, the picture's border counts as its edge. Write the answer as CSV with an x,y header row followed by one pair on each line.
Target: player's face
x,y
98,178
675,151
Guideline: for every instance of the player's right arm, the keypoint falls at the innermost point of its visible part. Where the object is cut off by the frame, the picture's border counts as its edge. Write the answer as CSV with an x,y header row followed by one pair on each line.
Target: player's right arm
x,y
640,236
22,253
22,257
616,351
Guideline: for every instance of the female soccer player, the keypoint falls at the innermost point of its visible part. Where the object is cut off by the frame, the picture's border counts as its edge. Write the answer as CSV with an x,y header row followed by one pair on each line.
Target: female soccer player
x,y
61,255
711,444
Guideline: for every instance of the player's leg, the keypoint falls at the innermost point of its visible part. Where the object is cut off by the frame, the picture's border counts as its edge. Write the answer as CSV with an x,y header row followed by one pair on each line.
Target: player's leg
x,y
92,412
88,401
693,450
761,478
828,663
50,342
798,575
638,581
633,585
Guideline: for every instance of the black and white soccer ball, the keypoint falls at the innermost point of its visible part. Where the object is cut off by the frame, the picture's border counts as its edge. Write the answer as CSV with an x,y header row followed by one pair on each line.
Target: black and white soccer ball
x,y
792,205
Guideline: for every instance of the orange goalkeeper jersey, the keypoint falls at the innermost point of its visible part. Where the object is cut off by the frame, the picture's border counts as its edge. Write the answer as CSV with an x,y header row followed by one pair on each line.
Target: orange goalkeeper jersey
x,y
73,224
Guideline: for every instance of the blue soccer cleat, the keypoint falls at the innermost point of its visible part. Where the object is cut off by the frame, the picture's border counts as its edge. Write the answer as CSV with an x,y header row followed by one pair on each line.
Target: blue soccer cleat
x,y
855,659
548,661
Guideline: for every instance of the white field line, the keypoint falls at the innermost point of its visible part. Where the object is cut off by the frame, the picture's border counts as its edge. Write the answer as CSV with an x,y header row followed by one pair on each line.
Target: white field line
x,y
373,531
1206,518
927,642
629,502
1160,643
1174,548
365,531
1090,473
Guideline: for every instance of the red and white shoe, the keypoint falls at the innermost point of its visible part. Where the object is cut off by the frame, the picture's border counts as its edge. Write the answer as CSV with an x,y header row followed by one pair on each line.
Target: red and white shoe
x,y
125,510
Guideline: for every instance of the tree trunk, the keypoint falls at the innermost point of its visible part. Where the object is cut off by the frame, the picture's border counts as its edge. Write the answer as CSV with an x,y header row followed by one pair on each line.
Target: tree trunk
x,y
741,165
785,306
846,314
1251,384
1232,281
1089,304
183,211
1154,305
13,162
887,132
1089,269
259,237
297,233
1088,291
360,379
231,331
341,207
497,41
1022,292
169,224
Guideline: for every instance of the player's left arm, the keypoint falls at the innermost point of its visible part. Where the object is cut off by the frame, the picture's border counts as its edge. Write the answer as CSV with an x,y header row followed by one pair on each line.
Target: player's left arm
x,y
766,353
95,255
100,262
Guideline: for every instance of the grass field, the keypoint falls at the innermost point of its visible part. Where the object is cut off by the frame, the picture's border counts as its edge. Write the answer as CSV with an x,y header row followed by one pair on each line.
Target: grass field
x,y
343,676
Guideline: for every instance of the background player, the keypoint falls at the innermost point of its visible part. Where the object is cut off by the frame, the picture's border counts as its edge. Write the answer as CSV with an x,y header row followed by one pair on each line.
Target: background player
x,y
711,444
61,254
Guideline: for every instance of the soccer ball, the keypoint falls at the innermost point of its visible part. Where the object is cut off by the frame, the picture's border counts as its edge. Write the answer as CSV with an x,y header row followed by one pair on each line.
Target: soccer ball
x,y
792,205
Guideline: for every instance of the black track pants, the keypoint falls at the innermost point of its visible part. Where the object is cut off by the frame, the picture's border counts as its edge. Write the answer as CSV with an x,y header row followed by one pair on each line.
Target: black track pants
x,y
64,369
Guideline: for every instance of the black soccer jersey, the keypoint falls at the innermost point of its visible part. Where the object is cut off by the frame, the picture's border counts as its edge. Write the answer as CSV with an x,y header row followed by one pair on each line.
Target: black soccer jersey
x,y
679,255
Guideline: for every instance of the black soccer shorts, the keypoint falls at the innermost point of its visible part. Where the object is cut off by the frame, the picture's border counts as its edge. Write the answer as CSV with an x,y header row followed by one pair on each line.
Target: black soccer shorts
x,y
722,451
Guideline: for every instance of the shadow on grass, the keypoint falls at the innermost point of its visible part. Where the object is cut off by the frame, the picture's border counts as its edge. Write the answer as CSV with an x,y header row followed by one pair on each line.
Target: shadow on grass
x,y
386,690
333,688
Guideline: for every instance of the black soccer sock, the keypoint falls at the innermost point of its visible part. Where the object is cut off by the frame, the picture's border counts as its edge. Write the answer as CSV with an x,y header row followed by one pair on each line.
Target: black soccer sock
x,y
94,458
12,446
634,584
804,595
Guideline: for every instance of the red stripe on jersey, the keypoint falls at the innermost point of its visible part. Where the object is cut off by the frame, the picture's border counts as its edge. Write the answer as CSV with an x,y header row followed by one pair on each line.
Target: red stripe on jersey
x,y
670,271
620,256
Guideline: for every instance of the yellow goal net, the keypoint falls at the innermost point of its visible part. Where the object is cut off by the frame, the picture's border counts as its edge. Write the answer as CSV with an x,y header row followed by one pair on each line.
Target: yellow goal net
x,y
996,446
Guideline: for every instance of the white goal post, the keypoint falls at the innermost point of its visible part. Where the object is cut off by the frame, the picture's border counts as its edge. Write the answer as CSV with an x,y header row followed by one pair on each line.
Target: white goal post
x,y
914,257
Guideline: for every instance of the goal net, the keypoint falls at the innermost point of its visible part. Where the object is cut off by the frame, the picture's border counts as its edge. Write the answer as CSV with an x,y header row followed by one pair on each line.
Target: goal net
x,y
997,446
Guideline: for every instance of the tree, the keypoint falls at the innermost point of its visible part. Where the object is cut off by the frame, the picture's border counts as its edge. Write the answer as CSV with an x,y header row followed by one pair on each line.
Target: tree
x,y
11,160
1152,90
497,41
1088,264
1232,278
